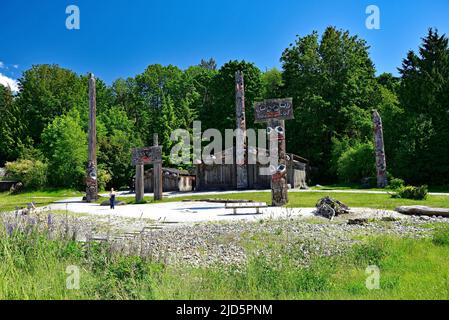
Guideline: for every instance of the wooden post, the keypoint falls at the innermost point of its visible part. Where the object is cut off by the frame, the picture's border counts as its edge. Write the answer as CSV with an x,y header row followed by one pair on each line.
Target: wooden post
x,y
279,186
381,164
91,174
140,188
157,174
241,145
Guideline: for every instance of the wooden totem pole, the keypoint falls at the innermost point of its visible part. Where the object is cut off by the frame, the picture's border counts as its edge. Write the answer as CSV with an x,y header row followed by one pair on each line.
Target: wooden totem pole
x,y
381,163
148,155
91,175
157,172
274,113
241,144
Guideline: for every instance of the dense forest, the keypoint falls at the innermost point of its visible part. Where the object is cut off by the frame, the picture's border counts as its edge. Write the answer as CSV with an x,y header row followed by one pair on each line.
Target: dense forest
x,y
331,78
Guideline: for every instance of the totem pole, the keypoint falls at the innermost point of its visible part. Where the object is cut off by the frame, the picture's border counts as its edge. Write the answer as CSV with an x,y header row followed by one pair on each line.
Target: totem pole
x,y
241,145
279,186
381,164
157,172
91,176
274,113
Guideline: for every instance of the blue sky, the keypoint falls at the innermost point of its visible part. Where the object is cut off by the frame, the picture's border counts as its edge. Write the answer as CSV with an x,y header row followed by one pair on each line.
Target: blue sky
x,y
121,38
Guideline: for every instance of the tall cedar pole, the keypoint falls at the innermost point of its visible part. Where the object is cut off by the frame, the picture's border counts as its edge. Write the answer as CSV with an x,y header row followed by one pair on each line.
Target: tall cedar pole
x,y
381,163
279,186
91,177
157,173
139,183
241,145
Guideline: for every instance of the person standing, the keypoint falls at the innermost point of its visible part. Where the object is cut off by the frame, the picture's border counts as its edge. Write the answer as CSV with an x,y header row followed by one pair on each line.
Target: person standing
x,y
112,199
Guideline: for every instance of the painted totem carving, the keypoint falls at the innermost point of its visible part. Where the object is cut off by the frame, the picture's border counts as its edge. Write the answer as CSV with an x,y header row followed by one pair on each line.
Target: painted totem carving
x,y
274,112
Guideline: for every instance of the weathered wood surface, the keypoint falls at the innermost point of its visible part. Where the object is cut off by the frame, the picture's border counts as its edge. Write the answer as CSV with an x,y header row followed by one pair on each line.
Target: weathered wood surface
x,y
423,211
280,109
279,186
147,155
246,205
91,174
139,183
381,163
157,173
241,143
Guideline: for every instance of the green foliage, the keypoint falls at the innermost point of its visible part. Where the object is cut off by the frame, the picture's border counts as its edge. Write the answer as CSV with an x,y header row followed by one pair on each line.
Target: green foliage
x,y
11,129
272,84
332,81
64,143
422,139
104,177
414,193
396,184
48,91
220,114
33,174
115,147
356,162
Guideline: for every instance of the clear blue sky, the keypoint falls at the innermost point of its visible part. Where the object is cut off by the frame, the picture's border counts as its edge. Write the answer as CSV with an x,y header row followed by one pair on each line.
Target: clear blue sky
x,y
121,38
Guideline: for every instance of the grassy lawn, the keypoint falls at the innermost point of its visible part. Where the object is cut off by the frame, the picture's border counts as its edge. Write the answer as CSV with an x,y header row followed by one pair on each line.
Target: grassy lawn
x,y
35,268
309,199
40,198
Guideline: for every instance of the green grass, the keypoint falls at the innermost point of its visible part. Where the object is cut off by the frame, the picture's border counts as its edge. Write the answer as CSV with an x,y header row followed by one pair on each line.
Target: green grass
x,y
355,186
34,267
9,202
309,199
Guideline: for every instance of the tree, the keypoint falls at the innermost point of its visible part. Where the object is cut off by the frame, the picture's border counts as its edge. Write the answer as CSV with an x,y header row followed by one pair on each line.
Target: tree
x,y
210,64
48,91
11,130
423,138
64,143
220,114
115,146
272,84
332,82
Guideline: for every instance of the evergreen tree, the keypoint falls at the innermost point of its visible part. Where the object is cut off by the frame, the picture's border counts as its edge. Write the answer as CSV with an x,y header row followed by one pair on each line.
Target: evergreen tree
x,y
423,132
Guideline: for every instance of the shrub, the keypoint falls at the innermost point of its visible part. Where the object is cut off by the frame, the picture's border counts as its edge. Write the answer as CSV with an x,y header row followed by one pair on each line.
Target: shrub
x,y
356,162
411,192
104,177
33,174
396,184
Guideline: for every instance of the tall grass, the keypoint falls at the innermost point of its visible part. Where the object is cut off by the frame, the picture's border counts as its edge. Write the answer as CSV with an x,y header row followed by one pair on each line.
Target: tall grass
x,y
34,257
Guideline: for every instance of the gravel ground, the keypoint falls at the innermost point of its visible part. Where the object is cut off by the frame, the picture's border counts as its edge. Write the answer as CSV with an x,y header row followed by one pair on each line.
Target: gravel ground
x,y
231,242
207,244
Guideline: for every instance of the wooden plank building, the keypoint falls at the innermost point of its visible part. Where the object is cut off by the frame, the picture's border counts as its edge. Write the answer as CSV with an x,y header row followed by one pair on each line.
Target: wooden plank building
x,y
223,176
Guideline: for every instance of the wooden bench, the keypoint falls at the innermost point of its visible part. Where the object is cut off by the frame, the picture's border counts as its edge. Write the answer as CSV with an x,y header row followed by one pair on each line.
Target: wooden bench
x,y
246,205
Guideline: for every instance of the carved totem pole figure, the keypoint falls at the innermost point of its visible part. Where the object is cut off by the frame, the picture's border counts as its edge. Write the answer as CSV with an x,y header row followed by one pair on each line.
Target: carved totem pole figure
x,y
241,145
274,112
91,176
279,186
381,164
